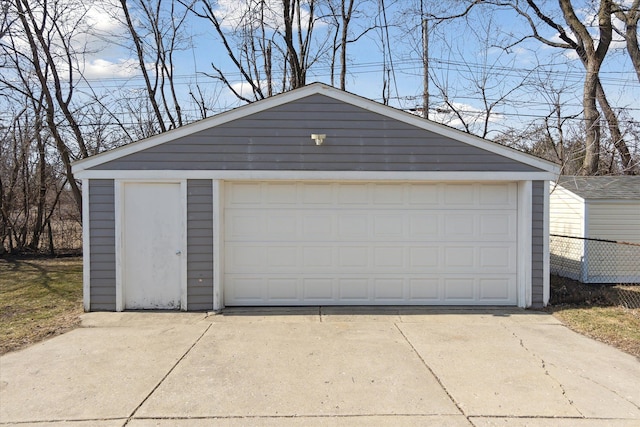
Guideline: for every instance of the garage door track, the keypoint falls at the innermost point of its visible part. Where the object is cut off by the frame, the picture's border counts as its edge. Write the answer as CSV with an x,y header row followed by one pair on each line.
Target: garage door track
x,y
321,366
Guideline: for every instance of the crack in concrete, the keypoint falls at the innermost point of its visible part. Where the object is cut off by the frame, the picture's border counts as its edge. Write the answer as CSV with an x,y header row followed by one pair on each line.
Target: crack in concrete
x,y
546,371
166,375
431,371
635,405
65,420
231,417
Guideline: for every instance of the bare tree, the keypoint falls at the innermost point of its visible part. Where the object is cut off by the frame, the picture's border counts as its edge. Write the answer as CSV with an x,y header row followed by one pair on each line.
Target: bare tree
x,y
40,44
351,21
155,29
629,15
591,50
267,42
480,79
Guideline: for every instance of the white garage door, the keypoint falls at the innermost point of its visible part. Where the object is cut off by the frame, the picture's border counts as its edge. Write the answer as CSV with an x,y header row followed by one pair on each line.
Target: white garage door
x,y
303,243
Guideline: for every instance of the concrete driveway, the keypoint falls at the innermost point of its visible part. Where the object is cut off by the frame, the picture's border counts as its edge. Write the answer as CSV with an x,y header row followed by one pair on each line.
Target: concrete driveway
x,y
321,366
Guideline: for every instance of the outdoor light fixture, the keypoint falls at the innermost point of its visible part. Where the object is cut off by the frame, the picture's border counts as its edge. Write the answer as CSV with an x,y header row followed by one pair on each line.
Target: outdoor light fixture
x,y
318,138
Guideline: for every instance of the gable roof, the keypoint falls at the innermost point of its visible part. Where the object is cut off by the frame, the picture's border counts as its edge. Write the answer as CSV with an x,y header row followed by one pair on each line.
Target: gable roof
x,y
245,112
623,187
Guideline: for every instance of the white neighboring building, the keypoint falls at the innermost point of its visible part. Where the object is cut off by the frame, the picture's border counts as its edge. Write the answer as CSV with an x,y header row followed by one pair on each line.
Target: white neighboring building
x,y
596,211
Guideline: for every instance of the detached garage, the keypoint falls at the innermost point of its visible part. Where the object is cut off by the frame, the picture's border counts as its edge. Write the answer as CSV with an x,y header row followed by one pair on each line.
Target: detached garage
x,y
314,197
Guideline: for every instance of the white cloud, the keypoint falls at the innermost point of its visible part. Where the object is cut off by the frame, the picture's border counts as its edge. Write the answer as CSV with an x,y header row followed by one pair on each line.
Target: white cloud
x,y
235,14
244,89
101,68
473,117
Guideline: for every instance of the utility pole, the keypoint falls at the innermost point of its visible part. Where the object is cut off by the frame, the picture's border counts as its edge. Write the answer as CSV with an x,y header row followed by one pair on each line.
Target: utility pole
x,y
425,63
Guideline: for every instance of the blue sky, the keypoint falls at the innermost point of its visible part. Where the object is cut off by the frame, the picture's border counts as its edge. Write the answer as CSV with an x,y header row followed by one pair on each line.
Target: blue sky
x,y
458,57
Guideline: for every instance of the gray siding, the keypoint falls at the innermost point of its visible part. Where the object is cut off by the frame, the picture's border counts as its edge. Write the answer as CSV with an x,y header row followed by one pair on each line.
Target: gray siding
x,y
280,139
102,241
537,244
199,245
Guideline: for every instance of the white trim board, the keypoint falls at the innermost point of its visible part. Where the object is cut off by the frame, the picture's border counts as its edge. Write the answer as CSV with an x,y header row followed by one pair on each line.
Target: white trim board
x,y
218,244
313,89
118,213
237,175
185,247
524,243
546,260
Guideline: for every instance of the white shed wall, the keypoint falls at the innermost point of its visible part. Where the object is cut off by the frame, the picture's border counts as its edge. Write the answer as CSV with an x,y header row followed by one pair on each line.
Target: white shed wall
x,y
618,221
566,212
566,218
614,220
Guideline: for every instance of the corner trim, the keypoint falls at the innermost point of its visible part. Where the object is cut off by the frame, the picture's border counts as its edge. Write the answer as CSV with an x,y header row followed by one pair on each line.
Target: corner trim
x,y
524,243
86,247
185,247
546,261
118,213
218,244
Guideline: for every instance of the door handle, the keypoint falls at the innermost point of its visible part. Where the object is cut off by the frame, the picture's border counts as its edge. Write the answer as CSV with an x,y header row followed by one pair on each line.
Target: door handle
x,y
178,252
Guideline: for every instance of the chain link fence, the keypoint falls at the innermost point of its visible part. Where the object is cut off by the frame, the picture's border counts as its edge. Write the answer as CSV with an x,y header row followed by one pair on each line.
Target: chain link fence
x,y
599,261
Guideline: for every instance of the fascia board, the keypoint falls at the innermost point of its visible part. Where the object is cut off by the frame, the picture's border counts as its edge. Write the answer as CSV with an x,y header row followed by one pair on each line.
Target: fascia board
x,y
273,175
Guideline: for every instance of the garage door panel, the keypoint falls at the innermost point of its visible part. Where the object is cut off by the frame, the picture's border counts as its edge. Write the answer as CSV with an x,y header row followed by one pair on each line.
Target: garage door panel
x,y
364,243
388,226
239,225
318,226
283,289
316,193
314,257
353,290
498,226
494,289
497,195
282,257
425,257
497,259
389,289
353,194
459,195
424,195
244,193
389,256
458,226
318,289
247,290
353,256
459,289
352,226
245,257
425,290
280,193
423,225
459,258
283,224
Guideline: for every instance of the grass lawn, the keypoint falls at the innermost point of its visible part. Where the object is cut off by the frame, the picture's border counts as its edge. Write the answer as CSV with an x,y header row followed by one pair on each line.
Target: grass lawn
x,y
594,311
39,298
616,326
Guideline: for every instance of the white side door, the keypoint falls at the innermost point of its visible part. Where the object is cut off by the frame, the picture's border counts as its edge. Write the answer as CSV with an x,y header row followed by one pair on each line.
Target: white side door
x,y
152,236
